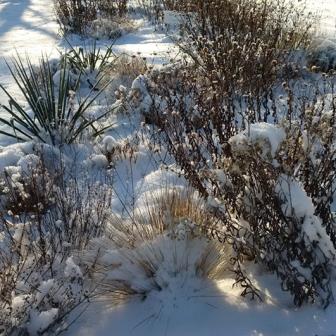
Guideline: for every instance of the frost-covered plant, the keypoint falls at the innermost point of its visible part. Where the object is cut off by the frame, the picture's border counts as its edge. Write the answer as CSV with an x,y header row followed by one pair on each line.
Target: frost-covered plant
x,y
123,72
105,28
244,168
280,224
117,150
54,117
90,62
155,9
76,16
25,190
165,247
253,39
40,280
41,301
112,8
315,163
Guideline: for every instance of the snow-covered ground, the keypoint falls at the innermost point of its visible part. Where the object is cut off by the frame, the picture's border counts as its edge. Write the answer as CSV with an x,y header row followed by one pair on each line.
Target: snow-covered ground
x,y
327,9
155,46
213,311
29,27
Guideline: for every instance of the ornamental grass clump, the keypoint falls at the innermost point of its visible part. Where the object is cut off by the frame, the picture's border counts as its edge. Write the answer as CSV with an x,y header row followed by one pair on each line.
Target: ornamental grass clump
x,y
162,250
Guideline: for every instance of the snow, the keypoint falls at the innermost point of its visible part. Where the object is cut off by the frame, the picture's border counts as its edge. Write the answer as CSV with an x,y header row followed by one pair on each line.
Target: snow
x,y
212,310
28,27
11,155
269,137
98,161
109,143
41,320
19,302
44,289
155,46
296,202
72,270
188,305
326,9
324,50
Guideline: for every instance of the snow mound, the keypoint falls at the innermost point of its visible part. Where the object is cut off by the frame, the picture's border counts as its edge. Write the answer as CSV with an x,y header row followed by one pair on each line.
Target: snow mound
x,y
266,136
323,55
297,203
41,320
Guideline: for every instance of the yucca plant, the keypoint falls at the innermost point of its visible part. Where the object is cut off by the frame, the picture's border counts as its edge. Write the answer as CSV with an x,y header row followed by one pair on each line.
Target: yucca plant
x,y
90,62
90,59
55,117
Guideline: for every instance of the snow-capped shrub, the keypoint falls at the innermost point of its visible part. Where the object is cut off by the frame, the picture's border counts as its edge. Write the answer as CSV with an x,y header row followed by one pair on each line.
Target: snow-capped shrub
x,y
76,16
112,8
235,41
73,16
238,164
164,248
110,29
41,281
121,74
114,150
281,229
28,186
